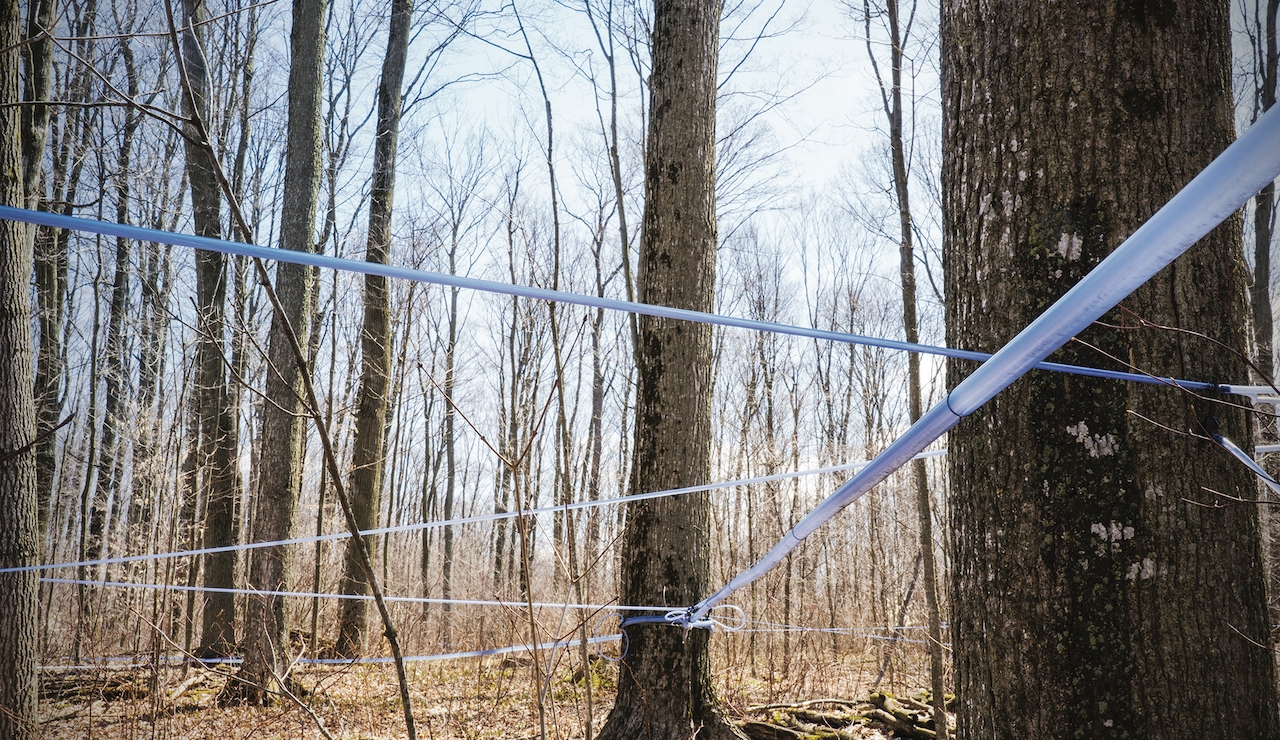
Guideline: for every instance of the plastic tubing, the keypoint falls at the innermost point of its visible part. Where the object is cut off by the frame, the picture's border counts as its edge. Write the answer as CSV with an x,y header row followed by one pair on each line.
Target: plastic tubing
x,y
474,519
1210,198
490,286
1249,462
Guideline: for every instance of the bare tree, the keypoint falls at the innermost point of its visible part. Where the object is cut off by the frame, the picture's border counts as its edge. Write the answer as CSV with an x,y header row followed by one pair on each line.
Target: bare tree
x,y
217,452
892,105
369,447
1263,35
283,423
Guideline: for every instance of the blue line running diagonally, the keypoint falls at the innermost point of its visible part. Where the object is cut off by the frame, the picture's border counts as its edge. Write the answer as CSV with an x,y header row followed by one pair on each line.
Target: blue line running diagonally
x,y
1211,197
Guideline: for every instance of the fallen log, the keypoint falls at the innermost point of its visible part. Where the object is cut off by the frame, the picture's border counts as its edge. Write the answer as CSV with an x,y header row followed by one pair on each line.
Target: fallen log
x,y
757,730
902,717
825,719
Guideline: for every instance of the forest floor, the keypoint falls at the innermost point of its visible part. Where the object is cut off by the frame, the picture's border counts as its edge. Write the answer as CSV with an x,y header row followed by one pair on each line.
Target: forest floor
x,y
473,699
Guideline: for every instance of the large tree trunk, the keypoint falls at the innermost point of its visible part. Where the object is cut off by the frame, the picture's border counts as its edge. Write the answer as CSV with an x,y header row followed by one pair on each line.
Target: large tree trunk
x,y
283,423
217,451
369,448
664,685
1093,598
18,516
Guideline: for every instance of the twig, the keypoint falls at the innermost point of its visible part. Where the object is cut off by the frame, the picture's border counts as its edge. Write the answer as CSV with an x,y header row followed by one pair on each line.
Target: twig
x,y
1249,639
1173,383
43,435
231,676
1165,427
1200,335
1236,500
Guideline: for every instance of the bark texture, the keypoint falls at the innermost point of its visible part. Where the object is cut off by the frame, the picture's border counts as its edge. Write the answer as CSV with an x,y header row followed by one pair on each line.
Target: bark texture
x,y
1092,599
283,420
37,58
18,534
664,685
369,448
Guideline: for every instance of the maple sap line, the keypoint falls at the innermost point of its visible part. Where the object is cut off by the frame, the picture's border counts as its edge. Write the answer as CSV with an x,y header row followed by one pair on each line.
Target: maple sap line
x,y
140,233
372,661
1232,178
348,597
864,632
450,522
1211,197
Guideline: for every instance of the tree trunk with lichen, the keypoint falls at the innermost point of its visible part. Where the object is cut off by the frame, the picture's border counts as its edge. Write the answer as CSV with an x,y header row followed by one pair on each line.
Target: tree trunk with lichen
x,y
266,654
1094,595
664,685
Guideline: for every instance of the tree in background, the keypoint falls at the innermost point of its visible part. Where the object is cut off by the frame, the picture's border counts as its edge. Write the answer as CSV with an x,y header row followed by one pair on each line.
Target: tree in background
x,y
217,453
664,685
266,658
1100,591
369,447
1263,35
891,99
37,57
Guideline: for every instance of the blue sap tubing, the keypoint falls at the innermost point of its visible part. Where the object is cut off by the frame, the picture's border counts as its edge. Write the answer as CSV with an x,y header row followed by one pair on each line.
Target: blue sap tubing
x,y
74,223
1222,188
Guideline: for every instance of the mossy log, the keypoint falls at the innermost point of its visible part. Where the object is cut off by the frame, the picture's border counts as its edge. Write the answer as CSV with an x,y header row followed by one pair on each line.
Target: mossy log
x,y
823,719
757,730
903,717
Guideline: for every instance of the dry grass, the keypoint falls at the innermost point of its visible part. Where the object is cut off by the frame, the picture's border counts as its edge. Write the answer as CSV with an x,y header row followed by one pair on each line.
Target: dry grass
x,y
474,699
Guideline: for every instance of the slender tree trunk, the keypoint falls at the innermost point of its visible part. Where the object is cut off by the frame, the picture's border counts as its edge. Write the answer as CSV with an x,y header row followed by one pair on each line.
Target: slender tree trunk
x,y
114,422
907,270
37,62
664,687
368,450
216,452
189,509
322,494
1092,597
283,423
19,537
148,478
609,50
450,462
51,256
1264,209
430,474
37,57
